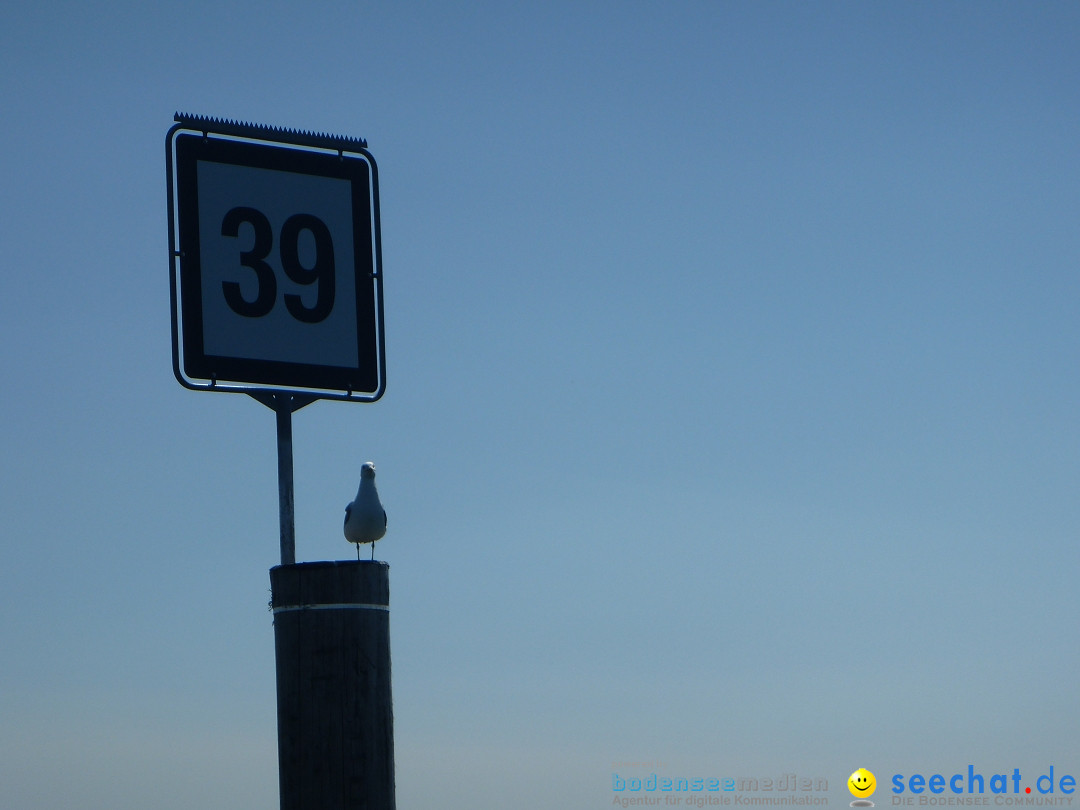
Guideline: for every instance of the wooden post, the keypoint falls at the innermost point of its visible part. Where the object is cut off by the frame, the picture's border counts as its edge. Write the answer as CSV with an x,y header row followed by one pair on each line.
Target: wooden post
x,y
335,719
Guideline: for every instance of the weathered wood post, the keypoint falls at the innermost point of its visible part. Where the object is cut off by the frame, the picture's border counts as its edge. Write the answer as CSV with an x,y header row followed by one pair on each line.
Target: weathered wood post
x,y
335,719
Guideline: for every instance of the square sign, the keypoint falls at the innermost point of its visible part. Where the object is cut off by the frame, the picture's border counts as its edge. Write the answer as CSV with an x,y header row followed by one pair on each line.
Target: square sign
x,y
277,279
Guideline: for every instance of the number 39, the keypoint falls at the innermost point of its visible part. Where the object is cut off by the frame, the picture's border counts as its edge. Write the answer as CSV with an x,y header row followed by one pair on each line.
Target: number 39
x,y
321,273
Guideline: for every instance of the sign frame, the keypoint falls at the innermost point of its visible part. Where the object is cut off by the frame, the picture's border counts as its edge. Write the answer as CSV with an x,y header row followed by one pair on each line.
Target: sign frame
x,y
295,269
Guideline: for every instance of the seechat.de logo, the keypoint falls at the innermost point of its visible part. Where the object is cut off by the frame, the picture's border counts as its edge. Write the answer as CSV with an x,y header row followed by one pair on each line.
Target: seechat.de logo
x,y
974,783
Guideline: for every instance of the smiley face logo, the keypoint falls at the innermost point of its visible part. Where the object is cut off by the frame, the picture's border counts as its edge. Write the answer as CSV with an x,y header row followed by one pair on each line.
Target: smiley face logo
x,y
862,783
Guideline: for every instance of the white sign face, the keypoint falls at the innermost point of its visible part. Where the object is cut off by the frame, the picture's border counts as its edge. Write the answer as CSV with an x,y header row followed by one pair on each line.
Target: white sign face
x,y
322,337
279,283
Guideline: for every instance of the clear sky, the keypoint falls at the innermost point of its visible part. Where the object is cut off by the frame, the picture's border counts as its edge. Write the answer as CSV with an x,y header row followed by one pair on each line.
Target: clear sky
x,y
732,423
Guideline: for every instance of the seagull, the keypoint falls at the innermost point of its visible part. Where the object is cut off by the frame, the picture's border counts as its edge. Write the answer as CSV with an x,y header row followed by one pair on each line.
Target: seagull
x,y
365,518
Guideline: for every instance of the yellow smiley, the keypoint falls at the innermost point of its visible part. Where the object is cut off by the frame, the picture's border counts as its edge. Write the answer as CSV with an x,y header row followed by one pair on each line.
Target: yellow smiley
x,y
861,783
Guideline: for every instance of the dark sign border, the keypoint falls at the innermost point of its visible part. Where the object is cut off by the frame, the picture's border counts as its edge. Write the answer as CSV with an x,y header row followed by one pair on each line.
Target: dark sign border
x,y
259,147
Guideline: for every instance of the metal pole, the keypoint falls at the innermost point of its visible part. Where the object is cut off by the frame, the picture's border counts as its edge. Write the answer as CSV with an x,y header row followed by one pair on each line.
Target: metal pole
x,y
284,409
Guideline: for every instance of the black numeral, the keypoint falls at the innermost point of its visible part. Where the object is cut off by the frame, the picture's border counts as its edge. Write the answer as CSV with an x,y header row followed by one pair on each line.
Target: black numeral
x,y
321,273
264,273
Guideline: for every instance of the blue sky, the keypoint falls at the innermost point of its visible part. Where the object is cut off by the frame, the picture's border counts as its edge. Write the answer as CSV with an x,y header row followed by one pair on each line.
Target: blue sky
x,y
731,421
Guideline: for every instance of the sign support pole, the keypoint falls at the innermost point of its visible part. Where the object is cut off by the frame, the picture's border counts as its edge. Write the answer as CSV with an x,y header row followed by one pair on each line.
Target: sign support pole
x,y
283,404
285,484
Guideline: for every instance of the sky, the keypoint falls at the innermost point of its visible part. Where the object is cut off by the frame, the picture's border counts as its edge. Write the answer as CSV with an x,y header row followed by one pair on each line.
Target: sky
x,y
731,423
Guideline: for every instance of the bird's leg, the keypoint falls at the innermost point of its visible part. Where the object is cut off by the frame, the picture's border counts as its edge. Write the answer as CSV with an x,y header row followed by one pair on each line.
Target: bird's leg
x,y
358,552
373,551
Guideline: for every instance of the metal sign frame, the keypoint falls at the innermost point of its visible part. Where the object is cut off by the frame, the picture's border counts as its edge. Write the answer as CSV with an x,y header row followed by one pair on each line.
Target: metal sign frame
x,y
215,151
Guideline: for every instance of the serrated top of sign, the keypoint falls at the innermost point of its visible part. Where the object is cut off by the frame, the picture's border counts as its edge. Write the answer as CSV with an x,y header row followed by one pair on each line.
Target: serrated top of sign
x,y
269,133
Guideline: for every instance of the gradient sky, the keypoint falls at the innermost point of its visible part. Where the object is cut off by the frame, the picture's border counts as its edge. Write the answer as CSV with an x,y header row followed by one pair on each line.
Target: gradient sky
x,y
732,423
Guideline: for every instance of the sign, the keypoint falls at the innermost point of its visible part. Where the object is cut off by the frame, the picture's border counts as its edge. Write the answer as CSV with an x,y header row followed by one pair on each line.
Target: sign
x,y
276,261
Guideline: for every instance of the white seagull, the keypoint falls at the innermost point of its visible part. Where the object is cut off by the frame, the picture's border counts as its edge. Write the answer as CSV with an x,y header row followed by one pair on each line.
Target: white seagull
x,y
365,518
